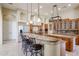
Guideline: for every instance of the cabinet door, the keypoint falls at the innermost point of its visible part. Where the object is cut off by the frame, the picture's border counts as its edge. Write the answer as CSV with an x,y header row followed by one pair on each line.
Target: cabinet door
x,y
77,40
51,27
76,25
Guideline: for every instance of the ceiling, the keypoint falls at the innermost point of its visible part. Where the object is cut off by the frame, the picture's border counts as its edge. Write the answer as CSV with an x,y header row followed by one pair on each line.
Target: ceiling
x,y
45,8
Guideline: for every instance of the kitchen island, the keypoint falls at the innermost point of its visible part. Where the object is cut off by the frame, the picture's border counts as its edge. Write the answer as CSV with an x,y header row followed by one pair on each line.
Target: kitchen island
x,y
70,40
52,46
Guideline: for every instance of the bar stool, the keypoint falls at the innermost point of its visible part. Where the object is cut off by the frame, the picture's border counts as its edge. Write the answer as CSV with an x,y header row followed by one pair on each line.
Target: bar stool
x,y
33,47
28,45
23,43
37,49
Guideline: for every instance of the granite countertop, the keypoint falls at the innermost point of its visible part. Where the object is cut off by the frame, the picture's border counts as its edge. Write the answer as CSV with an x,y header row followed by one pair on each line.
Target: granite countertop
x,y
49,37
61,36
42,37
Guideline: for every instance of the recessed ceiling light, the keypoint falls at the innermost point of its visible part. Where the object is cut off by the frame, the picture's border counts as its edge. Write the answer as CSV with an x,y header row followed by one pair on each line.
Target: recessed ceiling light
x,y
41,7
59,9
27,23
51,11
46,13
69,4
35,10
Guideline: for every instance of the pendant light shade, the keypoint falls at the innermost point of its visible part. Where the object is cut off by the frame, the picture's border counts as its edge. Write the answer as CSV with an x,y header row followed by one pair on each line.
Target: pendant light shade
x,y
39,19
31,15
31,22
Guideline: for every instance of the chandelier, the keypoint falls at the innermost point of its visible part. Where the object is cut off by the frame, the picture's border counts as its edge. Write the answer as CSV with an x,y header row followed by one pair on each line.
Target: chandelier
x,y
55,15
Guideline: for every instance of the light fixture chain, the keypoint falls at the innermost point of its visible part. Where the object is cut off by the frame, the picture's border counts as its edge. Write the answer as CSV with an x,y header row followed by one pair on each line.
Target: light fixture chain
x,y
57,10
38,10
27,11
52,11
31,10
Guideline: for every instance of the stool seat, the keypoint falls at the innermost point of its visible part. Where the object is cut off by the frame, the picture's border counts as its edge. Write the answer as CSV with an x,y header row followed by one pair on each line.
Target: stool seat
x,y
37,46
29,41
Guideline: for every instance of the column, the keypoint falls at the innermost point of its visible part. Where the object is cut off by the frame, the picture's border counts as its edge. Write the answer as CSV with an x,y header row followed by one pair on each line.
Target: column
x,y
17,20
1,26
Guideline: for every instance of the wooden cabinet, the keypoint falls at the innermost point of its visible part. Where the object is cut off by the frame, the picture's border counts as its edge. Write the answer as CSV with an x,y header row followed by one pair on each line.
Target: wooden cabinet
x,y
69,45
77,40
41,28
46,28
30,28
69,41
77,23
66,26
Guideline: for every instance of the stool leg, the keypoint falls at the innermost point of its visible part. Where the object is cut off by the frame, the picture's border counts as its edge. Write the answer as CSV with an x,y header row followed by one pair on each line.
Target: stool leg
x,y
32,54
41,52
36,53
26,52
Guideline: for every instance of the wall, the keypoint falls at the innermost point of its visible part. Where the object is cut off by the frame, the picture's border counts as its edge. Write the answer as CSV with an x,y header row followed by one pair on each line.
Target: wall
x,y
0,25
9,24
22,22
70,13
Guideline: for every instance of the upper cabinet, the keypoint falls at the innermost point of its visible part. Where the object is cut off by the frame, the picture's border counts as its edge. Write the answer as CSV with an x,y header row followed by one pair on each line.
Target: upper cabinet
x,y
65,26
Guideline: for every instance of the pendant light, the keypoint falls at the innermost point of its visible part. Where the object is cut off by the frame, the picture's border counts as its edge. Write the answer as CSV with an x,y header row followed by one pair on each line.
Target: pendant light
x,y
31,15
27,15
39,19
55,8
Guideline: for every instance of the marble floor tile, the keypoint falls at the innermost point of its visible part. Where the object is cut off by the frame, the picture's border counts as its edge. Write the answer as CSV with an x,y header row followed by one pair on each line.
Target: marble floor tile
x,y
12,48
